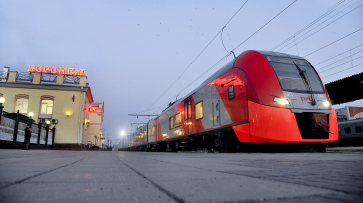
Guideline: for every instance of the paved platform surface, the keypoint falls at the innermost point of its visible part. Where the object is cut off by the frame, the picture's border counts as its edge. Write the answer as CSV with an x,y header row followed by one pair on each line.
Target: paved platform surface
x,y
91,176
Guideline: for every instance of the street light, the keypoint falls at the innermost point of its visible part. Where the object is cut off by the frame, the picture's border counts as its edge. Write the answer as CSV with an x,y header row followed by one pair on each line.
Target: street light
x,y
48,122
30,114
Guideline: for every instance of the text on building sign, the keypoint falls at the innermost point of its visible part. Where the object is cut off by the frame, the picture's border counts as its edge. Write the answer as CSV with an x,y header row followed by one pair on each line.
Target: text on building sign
x,y
56,70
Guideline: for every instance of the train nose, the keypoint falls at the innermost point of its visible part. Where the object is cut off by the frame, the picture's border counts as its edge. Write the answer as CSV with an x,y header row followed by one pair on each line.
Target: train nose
x,y
313,125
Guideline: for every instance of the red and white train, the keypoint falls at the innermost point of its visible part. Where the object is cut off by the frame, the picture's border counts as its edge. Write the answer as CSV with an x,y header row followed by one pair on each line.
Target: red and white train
x,y
260,97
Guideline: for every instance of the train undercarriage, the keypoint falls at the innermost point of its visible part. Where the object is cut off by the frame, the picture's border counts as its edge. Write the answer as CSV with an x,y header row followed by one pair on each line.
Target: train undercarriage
x,y
222,141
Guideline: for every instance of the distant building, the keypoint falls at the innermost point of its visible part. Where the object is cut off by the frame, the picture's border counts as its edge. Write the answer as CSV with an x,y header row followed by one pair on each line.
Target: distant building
x,y
349,113
95,125
59,95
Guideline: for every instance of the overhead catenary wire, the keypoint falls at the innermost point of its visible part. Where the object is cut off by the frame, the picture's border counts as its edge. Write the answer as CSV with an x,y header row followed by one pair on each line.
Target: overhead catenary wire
x,y
302,34
333,42
341,64
199,53
343,70
338,55
149,109
235,48
309,25
319,29
222,41
230,41
339,60
264,25
198,77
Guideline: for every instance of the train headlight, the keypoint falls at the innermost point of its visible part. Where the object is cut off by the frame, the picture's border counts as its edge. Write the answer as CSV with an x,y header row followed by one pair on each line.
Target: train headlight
x,y
282,100
326,103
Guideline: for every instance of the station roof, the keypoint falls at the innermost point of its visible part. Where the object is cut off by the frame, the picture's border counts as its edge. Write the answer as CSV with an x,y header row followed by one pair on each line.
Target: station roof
x,y
346,90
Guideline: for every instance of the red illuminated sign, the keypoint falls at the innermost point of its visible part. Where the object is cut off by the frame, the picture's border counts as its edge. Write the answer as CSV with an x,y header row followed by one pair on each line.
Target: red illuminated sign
x,y
92,109
56,70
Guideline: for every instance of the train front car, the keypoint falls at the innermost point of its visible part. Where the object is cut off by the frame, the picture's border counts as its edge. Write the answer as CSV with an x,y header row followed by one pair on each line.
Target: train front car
x,y
287,102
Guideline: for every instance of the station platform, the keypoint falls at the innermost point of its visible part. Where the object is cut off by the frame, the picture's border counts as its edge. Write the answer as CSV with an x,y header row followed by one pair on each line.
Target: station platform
x,y
114,176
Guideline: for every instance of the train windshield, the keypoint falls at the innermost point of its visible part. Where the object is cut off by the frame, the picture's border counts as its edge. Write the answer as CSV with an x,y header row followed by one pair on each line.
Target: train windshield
x,y
290,77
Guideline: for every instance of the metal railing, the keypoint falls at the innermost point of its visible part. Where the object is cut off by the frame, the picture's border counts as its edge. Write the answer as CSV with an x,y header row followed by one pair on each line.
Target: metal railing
x,y
24,77
4,76
70,79
12,128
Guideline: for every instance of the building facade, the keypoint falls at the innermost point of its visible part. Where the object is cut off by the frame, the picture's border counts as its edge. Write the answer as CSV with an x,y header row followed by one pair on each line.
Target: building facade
x,y
59,95
95,125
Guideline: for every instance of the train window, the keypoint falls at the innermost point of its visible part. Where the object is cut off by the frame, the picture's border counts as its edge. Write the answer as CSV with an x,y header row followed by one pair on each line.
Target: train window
x,y
150,130
189,108
199,110
178,120
347,130
157,125
290,78
185,110
358,129
231,92
171,122
153,131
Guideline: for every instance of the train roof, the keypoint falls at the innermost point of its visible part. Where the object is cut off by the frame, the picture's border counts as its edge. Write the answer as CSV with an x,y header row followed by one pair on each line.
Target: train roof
x,y
350,121
223,70
214,76
273,53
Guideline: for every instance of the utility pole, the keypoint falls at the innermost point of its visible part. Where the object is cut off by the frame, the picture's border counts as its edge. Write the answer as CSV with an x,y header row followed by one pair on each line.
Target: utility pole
x,y
147,127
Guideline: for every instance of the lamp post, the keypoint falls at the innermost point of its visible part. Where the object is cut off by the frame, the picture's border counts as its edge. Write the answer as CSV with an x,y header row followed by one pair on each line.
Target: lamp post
x,y
2,100
126,140
30,114
122,138
47,131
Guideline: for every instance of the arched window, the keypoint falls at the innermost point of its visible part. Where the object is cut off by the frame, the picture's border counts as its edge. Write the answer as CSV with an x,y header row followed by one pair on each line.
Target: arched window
x,y
46,105
21,103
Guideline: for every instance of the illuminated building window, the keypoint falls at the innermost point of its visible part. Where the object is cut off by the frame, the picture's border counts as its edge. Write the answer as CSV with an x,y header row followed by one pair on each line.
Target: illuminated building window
x,y
46,105
21,103
199,110
171,122
178,120
231,92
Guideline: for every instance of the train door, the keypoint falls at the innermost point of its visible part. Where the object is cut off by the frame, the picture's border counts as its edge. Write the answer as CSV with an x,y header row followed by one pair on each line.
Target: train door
x,y
216,103
216,113
188,115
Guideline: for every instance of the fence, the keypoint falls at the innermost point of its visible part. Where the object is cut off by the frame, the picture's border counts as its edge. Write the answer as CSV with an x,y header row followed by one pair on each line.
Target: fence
x,y
12,128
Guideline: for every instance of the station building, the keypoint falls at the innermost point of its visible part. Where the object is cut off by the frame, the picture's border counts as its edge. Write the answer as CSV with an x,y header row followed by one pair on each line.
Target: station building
x,y
61,96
